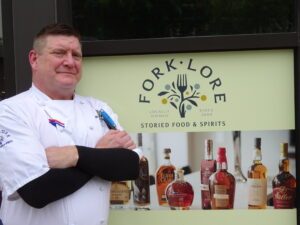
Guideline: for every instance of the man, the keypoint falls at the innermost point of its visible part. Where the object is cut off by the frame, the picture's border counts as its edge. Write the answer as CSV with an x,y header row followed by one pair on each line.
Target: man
x,y
57,157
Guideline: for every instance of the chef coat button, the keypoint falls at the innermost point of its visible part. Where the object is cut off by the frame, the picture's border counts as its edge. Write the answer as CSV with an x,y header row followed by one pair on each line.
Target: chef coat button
x,y
102,222
91,128
81,102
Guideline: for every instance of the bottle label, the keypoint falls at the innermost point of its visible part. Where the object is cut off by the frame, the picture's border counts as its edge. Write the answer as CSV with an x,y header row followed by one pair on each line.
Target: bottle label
x,y
257,191
284,197
166,176
120,193
204,187
221,197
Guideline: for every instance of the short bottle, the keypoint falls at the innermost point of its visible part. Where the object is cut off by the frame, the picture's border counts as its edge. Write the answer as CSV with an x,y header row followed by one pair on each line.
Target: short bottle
x,y
207,168
222,184
164,175
120,194
257,180
141,186
180,193
284,183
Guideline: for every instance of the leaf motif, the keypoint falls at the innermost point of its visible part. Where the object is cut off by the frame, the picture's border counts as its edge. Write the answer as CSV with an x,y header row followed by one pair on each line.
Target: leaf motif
x,y
173,104
162,93
192,102
173,85
191,87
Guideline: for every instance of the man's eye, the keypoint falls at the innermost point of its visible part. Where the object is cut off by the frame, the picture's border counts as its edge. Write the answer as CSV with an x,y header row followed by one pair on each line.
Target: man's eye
x,y
77,56
59,54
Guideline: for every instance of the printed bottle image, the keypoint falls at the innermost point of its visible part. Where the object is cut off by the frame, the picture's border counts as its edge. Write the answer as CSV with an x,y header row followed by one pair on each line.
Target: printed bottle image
x,y
284,183
222,184
207,168
180,193
141,186
257,180
164,175
120,194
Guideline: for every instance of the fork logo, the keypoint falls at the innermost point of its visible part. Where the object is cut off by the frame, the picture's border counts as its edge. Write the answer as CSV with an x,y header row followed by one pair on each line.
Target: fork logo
x,y
180,95
181,90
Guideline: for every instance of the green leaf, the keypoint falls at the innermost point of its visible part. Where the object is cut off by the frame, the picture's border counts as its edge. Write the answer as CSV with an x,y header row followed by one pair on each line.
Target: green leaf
x,y
162,93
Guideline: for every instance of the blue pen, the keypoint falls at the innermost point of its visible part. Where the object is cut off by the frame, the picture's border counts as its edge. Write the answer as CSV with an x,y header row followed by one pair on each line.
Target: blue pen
x,y
107,119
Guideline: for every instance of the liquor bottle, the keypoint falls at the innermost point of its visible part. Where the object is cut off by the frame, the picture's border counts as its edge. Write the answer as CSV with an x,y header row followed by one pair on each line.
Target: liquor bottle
x,y
120,194
222,184
284,183
180,193
207,168
257,180
141,186
164,176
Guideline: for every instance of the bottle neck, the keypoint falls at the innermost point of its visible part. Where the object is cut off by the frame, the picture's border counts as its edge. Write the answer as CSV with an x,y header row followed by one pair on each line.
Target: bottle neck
x,y
284,161
284,165
167,159
180,175
221,159
257,155
208,155
222,166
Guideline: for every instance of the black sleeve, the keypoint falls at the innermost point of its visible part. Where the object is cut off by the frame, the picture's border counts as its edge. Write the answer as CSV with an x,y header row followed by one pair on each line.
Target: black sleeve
x,y
113,164
53,185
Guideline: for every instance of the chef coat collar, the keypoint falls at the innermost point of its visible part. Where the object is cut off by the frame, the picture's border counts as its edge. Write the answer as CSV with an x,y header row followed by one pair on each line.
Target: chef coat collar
x,y
43,98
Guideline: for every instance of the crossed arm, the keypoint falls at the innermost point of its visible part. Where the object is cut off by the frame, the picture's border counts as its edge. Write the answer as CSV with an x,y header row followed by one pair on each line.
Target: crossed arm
x,y
73,166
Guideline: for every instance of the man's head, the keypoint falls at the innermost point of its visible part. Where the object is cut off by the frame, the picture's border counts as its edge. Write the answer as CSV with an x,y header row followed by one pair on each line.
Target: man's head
x,y
56,60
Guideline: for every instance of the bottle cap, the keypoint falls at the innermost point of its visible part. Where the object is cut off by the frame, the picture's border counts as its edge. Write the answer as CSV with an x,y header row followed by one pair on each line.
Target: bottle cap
x,y
258,143
167,150
283,150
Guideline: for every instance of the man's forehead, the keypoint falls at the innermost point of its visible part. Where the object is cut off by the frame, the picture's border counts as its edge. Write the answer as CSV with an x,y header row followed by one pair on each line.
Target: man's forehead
x,y
62,41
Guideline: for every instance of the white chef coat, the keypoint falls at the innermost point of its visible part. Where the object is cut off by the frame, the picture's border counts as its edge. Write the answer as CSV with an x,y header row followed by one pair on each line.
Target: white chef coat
x,y
31,122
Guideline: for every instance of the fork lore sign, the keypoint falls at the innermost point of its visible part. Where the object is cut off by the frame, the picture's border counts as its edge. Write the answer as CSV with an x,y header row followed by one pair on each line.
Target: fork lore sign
x,y
215,91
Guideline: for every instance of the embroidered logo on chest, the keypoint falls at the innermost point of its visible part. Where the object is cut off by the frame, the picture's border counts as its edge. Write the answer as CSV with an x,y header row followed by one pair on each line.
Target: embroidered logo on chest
x,y
56,123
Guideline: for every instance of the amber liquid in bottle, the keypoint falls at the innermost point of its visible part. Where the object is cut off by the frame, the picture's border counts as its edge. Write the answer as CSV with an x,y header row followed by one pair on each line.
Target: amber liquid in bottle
x,y
207,168
257,180
284,183
222,184
141,186
180,193
164,175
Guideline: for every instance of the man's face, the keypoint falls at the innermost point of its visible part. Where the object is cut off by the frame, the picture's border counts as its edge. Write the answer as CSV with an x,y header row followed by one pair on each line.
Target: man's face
x,y
57,65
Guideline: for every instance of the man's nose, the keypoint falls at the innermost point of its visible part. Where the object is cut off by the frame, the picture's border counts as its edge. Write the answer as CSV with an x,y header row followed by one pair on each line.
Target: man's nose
x,y
69,59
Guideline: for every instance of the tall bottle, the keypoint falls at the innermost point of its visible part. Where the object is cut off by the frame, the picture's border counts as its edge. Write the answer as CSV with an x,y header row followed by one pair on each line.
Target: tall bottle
x,y
284,183
207,168
257,180
164,175
141,186
222,184
180,193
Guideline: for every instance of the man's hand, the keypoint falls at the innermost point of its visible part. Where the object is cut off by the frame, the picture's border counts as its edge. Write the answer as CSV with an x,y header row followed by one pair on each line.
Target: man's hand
x,y
62,157
116,139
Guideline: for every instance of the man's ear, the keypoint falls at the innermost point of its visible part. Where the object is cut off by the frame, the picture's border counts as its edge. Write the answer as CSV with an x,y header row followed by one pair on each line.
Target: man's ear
x,y
32,56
